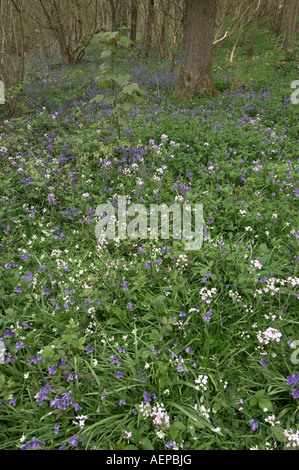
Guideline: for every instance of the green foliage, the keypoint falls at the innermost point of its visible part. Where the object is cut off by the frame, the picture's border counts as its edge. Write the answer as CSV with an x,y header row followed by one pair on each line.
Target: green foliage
x,y
121,323
125,94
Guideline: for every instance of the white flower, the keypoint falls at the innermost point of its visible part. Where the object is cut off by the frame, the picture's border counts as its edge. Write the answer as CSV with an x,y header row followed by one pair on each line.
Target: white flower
x,y
216,429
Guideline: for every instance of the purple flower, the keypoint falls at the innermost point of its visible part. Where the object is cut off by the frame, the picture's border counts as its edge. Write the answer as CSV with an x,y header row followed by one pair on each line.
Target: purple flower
x,y
62,403
124,285
254,424
43,393
169,445
35,443
52,370
56,428
295,393
130,305
8,334
27,276
122,402
207,316
292,379
147,397
173,355
74,441
77,407
263,363
114,360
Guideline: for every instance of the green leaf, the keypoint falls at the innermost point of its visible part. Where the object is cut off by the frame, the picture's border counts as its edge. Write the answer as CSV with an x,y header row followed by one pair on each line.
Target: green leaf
x,y
179,425
105,54
260,394
147,445
159,300
113,321
125,41
278,433
136,435
2,380
128,90
265,403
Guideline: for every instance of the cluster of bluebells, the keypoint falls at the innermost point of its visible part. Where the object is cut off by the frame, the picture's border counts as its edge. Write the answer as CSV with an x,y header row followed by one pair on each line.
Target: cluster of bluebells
x,y
293,380
34,443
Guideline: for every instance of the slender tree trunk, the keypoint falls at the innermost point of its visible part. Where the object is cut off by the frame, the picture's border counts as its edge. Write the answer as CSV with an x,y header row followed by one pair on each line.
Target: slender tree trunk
x,y
134,17
196,74
114,7
291,24
282,17
164,26
252,43
149,27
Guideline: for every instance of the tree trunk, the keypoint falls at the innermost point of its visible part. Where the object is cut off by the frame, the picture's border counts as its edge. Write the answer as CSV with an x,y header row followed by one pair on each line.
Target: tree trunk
x,y
282,17
252,43
164,26
196,74
291,24
134,16
149,27
114,7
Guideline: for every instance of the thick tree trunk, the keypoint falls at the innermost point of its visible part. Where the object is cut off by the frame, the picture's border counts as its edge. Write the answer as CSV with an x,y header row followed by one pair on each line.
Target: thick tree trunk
x,y
196,74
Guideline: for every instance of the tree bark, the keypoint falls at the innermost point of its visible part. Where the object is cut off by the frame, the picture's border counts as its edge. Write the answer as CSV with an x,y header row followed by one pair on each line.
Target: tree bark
x,y
252,43
134,17
291,24
149,27
196,73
